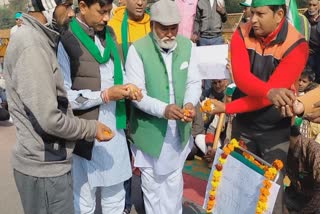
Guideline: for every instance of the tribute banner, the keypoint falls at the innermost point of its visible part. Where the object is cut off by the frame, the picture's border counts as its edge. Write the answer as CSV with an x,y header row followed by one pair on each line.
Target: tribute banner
x,y
239,188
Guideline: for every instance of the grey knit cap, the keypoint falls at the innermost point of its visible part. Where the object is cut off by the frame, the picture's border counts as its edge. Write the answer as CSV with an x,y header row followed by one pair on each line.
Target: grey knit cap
x,y
165,12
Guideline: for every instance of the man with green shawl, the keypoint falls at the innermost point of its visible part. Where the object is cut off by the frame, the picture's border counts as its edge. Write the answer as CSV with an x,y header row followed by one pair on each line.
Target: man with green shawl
x,y
93,77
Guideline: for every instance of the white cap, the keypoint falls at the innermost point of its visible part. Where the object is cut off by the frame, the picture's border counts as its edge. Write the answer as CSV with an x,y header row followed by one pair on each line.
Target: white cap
x,y
165,12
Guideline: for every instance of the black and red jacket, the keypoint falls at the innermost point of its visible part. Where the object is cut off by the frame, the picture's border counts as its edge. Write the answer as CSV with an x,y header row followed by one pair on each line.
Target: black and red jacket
x,y
262,64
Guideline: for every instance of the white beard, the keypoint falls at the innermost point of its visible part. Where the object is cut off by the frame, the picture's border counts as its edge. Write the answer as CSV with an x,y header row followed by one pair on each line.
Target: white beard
x,y
165,43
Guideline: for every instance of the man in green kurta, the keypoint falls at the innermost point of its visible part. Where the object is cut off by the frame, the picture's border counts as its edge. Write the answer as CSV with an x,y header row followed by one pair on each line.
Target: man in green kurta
x,y
161,65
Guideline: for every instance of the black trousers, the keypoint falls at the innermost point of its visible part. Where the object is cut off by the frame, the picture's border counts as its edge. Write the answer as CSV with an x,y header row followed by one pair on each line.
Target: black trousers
x,y
269,145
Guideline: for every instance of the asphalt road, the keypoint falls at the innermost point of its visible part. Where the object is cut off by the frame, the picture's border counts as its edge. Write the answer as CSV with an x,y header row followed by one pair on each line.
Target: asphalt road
x,y
9,197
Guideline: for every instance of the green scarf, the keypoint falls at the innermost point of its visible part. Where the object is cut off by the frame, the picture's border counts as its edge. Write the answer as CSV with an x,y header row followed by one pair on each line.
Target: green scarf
x,y
124,34
110,49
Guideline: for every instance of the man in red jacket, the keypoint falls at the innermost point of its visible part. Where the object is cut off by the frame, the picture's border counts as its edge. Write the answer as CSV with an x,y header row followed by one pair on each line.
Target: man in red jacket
x,y
267,53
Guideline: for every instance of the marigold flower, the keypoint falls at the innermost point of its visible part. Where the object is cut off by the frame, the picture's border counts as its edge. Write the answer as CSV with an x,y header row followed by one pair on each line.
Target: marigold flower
x,y
264,192
246,155
213,192
217,179
187,112
230,147
206,105
215,184
259,210
242,144
212,197
224,155
222,160
226,150
217,174
263,198
278,164
211,203
234,142
219,166
212,183
262,205
267,184
268,174
273,170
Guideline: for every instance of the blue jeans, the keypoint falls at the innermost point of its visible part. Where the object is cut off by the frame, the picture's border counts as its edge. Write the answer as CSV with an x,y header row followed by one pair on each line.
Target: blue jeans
x,y
127,187
210,41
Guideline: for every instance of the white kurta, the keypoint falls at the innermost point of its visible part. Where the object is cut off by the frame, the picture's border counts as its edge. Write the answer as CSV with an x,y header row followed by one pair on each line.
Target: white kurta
x,y
110,164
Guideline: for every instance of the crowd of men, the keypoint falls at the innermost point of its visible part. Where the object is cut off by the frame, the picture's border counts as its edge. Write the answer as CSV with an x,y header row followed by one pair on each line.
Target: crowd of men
x,y
97,91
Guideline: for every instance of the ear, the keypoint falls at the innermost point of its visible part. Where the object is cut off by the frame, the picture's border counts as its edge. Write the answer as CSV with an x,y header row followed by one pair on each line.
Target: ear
x,y
82,7
279,15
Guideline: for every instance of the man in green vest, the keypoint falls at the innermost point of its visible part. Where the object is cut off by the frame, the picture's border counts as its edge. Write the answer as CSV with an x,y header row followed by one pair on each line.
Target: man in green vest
x,y
93,78
161,65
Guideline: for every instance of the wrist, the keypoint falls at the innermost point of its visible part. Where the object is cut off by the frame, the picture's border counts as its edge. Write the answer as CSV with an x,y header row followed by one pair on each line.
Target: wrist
x,y
105,96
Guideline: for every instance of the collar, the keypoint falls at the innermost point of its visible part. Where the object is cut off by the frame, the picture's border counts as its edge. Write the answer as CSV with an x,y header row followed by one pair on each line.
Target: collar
x,y
52,35
86,28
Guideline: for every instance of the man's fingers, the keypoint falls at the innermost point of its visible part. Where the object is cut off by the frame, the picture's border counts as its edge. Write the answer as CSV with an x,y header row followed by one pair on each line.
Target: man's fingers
x,y
291,95
283,111
288,111
288,98
317,104
316,120
277,103
313,116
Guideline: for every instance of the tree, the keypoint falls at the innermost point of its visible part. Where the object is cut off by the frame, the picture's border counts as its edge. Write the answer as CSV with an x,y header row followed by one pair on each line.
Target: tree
x,y
7,13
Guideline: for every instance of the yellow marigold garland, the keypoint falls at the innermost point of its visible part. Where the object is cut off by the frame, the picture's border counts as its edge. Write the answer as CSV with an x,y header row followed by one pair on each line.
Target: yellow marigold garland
x,y
270,174
217,174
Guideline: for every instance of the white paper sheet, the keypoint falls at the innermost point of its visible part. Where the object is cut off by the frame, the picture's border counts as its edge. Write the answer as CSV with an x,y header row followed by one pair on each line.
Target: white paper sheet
x,y
212,61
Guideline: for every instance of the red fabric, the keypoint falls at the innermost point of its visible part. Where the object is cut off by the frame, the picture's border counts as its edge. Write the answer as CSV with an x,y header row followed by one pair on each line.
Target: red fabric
x,y
285,75
287,72
194,189
209,139
246,104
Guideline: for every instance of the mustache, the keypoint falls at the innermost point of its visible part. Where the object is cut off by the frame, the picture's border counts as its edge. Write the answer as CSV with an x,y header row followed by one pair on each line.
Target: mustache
x,y
167,39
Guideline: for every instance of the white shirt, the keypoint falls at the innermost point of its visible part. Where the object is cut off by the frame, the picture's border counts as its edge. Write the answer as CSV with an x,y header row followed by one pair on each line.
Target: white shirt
x,y
172,156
